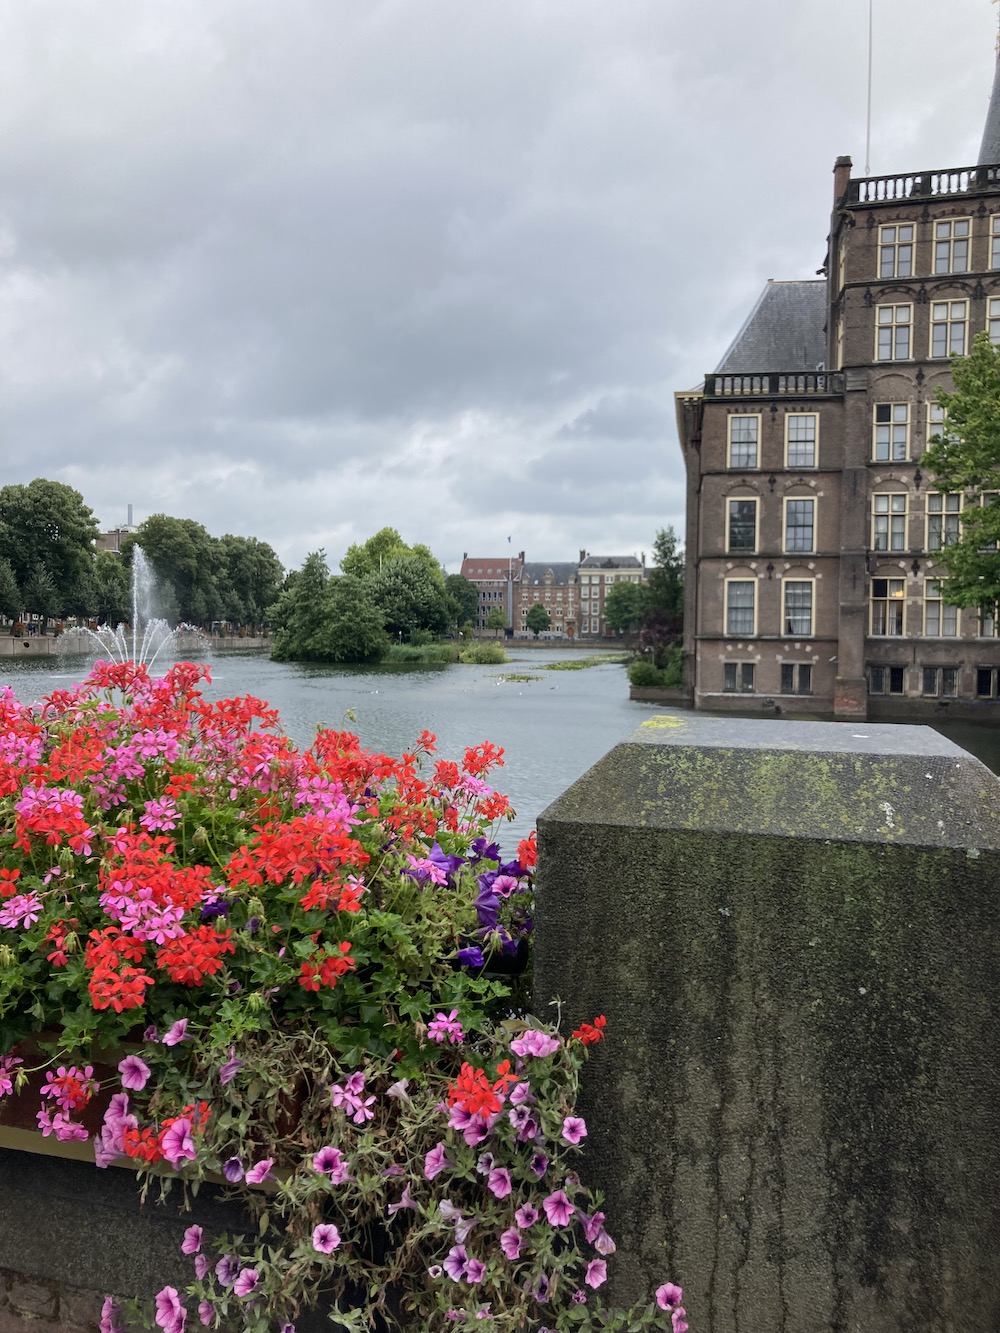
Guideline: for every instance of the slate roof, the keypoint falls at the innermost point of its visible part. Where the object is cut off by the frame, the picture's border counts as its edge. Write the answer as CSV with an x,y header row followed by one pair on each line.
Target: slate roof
x,y
611,562
989,153
562,571
784,331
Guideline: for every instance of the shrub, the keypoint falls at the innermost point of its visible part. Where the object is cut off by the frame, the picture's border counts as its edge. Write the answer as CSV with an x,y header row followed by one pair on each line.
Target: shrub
x,y
483,654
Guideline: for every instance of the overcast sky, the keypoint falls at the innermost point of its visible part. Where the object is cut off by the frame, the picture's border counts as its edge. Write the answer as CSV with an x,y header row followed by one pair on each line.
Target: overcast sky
x,y
298,269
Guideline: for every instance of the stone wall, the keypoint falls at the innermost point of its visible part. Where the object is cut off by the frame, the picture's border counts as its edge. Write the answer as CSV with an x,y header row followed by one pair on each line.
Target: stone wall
x,y
794,931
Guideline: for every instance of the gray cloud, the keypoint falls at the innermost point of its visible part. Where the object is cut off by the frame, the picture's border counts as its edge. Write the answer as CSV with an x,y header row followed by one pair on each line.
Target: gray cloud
x,y
300,271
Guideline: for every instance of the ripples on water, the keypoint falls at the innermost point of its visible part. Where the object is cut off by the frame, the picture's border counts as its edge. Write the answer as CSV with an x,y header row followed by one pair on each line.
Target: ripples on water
x,y
552,728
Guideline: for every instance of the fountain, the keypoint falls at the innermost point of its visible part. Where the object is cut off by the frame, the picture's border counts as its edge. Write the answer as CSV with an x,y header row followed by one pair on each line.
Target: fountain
x,y
149,635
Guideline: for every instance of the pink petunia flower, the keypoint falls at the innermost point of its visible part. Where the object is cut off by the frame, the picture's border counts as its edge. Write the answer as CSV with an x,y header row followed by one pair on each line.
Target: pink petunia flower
x,y
178,1145
330,1162
176,1033
246,1283
526,1216
191,1243
201,1265
511,1242
135,1073
206,1312
499,1182
475,1270
597,1273
558,1208
455,1261
678,1321
325,1238
669,1295
171,1315
574,1129
112,1320
261,1172
436,1161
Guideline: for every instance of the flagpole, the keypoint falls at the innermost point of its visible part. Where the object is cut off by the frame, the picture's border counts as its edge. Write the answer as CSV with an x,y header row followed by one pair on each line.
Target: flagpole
x,y
868,129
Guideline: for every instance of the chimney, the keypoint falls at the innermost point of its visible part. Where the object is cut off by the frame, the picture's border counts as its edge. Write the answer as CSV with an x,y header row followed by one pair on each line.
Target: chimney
x,y
841,178
520,556
583,555
130,515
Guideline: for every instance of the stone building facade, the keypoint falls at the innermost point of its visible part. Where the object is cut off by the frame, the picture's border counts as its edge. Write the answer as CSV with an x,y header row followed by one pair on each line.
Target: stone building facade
x,y
556,586
813,581
498,579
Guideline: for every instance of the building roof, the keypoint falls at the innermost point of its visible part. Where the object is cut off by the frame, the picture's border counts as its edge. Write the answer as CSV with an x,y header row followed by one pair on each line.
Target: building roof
x,y
480,569
611,562
989,152
562,571
784,331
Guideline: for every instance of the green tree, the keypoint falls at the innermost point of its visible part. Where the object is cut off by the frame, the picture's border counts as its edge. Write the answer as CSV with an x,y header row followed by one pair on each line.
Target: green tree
x,y
538,619
625,606
409,596
966,459
463,599
250,580
46,526
112,589
300,609
496,620
11,605
188,565
663,623
41,598
324,619
368,558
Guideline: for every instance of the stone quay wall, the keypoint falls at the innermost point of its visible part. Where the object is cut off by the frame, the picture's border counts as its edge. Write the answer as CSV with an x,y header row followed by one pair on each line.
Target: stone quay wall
x,y
794,932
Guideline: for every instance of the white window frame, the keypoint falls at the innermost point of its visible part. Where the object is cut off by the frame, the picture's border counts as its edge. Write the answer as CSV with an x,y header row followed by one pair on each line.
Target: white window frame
x,y
897,250
893,600
952,245
736,500
729,609
744,417
944,519
886,521
993,317
811,449
886,433
940,619
786,586
949,329
893,332
798,550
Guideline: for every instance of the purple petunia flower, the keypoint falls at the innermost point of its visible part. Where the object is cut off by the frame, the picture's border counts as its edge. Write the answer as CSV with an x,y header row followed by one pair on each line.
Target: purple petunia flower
x,y
471,956
574,1129
526,1216
455,1261
227,1269
558,1208
246,1283
325,1238
201,1265
261,1172
232,1169
435,1161
135,1073
597,1273
206,1312
539,1164
499,1183
229,1070
511,1242
176,1033
191,1243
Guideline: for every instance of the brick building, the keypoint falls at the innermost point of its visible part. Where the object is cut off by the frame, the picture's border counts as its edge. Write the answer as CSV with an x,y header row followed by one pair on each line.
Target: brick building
x,y
598,574
498,579
556,586
812,577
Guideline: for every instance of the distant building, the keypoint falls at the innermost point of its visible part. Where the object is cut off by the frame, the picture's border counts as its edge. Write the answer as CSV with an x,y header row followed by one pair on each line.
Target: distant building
x,y
813,580
496,577
597,574
554,585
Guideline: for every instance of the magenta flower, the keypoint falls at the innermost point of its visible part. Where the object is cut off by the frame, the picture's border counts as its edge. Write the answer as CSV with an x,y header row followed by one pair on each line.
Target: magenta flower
x,y
261,1172
446,1027
229,1070
669,1295
206,1312
539,1164
533,1042
591,1226
597,1273
111,1316
558,1208
191,1243
176,1033
330,1162
135,1073
226,1269
475,1270
498,1182
455,1261
604,1244
170,1313
325,1238
201,1265
574,1129
178,1145
435,1161
511,1242
406,1200
246,1283
526,1216
678,1321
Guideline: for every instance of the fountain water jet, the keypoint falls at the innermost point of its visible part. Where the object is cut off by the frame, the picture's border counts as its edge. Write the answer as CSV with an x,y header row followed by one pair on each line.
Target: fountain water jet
x,y
149,635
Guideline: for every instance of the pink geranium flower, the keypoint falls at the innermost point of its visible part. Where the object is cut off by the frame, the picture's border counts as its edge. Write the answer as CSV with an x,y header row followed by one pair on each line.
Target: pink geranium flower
x,y
533,1042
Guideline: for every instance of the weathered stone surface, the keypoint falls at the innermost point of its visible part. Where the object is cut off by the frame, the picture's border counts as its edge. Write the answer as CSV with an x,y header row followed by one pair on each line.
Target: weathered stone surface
x,y
794,930
31,1298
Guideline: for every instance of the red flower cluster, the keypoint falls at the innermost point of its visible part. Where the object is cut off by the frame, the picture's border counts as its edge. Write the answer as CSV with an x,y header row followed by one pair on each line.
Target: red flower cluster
x,y
115,983
588,1033
527,851
300,848
146,1145
321,895
192,957
325,969
479,759
473,1093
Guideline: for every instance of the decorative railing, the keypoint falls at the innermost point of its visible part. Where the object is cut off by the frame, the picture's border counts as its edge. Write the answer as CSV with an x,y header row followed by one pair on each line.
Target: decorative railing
x,y
788,384
923,184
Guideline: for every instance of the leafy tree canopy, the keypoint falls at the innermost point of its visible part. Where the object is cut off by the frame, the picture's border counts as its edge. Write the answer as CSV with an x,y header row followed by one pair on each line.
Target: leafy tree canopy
x,y
112,589
463,599
187,563
625,606
496,620
11,604
967,459
538,619
324,619
409,596
46,526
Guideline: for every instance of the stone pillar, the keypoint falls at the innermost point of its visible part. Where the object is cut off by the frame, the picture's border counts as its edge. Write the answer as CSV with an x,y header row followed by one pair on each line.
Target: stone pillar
x,y
794,932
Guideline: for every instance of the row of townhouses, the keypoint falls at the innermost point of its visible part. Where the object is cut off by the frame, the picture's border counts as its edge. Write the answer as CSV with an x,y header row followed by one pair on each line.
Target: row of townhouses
x,y
572,592
813,539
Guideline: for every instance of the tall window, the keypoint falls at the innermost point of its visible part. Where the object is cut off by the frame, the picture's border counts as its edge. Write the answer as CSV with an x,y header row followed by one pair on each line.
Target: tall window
x,y
887,606
740,606
940,620
742,525
949,325
943,519
993,318
895,250
886,679
798,611
891,442
889,522
995,241
737,677
892,332
744,434
800,439
796,678
987,623
799,525
951,245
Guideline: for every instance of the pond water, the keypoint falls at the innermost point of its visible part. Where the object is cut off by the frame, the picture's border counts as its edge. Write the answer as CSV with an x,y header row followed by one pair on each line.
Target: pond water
x,y
552,727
